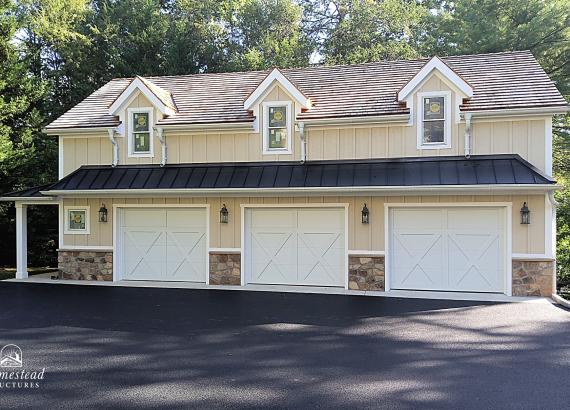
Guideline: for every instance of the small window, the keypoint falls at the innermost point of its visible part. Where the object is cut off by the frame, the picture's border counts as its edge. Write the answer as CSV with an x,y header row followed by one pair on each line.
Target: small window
x,y
277,127
434,120
434,128
140,132
277,133
77,220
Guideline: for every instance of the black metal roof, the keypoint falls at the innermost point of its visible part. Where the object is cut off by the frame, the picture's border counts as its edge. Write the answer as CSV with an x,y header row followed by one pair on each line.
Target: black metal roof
x,y
494,169
34,192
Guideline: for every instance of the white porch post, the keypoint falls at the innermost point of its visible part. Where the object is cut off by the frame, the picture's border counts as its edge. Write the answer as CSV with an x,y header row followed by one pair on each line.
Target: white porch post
x,y
21,241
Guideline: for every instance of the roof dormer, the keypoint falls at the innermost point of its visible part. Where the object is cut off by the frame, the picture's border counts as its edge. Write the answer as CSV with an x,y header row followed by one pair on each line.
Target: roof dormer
x,y
458,89
448,74
160,98
273,78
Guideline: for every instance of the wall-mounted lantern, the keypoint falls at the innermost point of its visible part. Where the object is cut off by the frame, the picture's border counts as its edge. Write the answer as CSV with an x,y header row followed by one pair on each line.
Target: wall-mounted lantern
x,y
102,213
365,215
525,215
224,214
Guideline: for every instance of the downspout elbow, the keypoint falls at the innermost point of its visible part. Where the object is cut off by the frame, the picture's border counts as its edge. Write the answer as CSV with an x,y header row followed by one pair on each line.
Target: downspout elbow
x,y
112,132
162,140
552,199
468,135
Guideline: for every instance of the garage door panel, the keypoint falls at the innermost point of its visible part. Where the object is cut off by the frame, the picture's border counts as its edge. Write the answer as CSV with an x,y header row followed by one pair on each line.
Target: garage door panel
x,y
411,219
476,261
273,256
144,252
144,218
321,257
307,248
164,244
185,255
464,251
186,218
420,259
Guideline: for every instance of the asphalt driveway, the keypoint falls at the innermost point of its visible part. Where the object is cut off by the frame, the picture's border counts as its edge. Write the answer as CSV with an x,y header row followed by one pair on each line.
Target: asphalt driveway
x,y
174,348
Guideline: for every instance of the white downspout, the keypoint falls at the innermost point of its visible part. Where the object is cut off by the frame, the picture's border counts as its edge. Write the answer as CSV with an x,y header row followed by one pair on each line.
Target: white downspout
x,y
160,135
112,132
301,126
468,135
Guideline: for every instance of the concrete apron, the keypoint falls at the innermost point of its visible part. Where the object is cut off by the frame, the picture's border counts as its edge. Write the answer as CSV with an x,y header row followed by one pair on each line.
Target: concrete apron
x,y
482,297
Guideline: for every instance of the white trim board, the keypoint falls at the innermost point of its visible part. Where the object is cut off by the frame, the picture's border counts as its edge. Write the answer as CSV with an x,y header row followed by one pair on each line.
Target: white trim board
x,y
531,257
86,248
435,64
365,253
225,250
278,77
138,85
500,189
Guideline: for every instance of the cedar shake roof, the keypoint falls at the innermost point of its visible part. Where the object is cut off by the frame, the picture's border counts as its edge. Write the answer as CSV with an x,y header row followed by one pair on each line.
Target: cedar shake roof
x,y
420,171
163,95
500,81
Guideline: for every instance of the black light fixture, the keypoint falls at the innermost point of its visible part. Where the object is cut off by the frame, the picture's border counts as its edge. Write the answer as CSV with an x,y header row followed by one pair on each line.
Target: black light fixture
x,y
102,213
224,214
525,215
365,215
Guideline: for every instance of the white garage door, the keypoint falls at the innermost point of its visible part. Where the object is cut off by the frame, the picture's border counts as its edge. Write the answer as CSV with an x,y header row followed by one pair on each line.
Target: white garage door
x,y
448,249
163,244
295,246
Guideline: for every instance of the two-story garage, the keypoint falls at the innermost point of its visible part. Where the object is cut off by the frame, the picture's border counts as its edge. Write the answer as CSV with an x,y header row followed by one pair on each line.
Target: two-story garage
x,y
424,175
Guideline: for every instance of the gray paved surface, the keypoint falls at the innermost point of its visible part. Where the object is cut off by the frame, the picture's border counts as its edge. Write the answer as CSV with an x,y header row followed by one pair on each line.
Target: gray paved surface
x,y
168,348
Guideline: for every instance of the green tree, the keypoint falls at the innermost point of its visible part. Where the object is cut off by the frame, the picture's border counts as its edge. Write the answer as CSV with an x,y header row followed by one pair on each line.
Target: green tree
x,y
267,33
357,31
486,26
26,156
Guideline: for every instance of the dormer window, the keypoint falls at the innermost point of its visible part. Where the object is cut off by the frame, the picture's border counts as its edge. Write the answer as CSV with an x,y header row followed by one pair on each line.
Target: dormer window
x,y
277,127
434,125
140,132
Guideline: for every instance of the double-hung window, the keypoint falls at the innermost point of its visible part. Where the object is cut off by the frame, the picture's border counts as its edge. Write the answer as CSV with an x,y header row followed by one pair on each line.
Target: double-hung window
x,y
277,128
434,120
140,135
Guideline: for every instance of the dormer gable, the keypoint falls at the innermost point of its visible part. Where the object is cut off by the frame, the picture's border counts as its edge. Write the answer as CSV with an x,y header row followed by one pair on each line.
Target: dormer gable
x,y
273,78
160,98
435,64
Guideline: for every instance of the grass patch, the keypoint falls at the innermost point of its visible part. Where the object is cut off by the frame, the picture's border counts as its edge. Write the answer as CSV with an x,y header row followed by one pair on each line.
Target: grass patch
x,y
10,273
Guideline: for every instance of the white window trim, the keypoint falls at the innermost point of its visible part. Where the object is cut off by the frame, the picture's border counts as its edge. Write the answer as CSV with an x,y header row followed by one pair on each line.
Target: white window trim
x,y
130,113
277,151
68,231
420,120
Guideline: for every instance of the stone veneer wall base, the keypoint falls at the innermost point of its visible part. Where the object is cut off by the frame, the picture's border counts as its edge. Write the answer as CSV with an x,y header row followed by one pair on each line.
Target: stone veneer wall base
x,y
225,269
85,265
533,278
366,273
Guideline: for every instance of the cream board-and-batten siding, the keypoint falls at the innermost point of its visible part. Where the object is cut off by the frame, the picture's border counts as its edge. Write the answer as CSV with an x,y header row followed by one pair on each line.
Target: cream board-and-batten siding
x,y
527,239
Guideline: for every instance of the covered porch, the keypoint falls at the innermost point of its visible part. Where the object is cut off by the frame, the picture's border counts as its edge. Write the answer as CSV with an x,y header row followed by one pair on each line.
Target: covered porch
x,y
23,200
